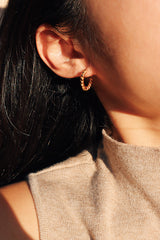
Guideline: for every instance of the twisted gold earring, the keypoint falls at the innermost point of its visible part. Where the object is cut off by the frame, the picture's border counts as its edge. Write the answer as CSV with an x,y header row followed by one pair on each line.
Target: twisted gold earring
x,y
83,85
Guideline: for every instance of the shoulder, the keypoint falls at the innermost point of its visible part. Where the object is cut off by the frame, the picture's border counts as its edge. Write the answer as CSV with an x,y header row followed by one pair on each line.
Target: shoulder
x,y
18,216
81,161
73,172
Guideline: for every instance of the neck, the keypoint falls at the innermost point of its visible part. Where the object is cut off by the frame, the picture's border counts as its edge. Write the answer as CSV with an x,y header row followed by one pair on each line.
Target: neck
x,y
135,130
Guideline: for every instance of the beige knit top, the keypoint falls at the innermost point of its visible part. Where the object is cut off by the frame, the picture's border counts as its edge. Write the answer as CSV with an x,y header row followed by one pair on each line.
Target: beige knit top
x,y
116,197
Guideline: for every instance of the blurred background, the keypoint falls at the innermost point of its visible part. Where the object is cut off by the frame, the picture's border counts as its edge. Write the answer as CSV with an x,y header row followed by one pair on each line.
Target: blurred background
x,y
3,3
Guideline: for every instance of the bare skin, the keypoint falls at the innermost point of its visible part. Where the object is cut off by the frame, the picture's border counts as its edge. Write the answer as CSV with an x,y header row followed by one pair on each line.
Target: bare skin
x,y
18,220
129,88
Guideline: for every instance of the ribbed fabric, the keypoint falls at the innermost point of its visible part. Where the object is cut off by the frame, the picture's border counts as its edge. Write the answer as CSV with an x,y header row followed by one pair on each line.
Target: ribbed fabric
x,y
116,197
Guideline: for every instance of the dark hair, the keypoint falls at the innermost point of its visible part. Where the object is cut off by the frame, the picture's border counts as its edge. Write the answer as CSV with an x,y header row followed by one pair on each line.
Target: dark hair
x,y
44,119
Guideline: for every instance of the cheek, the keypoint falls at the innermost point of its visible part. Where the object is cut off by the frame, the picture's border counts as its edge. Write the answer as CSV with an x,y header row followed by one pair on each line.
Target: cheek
x,y
131,29
136,38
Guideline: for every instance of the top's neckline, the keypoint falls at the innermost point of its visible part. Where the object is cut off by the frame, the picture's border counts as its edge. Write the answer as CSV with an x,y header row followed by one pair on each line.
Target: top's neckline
x,y
107,139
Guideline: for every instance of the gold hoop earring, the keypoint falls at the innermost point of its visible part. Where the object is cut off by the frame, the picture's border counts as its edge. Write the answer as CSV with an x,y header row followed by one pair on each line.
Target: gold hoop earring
x,y
83,85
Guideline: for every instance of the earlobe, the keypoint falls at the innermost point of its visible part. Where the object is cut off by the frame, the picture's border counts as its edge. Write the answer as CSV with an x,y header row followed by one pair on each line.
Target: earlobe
x,y
60,54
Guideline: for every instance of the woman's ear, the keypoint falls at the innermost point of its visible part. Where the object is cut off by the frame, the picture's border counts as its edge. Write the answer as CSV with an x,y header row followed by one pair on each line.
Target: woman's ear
x,y
61,53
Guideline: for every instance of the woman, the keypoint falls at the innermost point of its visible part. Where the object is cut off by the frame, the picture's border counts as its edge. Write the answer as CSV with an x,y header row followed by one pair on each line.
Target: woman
x,y
110,190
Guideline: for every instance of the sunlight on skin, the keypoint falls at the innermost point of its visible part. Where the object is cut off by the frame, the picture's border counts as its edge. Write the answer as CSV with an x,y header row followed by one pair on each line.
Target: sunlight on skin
x,y
20,211
129,87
